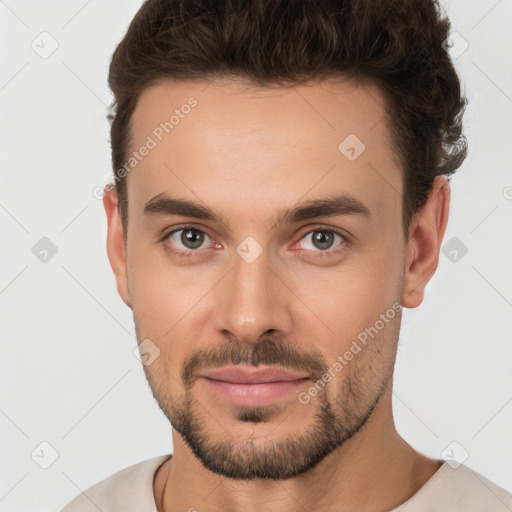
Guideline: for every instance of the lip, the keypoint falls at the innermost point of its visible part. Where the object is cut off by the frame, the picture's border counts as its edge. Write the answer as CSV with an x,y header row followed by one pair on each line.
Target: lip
x,y
247,375
253,387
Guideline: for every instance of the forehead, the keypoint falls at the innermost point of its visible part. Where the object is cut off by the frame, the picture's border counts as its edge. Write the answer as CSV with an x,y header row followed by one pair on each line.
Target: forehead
x,y
239,147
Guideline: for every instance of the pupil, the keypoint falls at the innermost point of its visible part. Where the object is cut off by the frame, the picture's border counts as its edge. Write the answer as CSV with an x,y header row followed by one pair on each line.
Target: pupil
x,y
192,237
323,239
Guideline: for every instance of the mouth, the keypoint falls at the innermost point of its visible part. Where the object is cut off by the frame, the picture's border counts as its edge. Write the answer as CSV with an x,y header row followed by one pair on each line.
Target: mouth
x,y
248,375
252,387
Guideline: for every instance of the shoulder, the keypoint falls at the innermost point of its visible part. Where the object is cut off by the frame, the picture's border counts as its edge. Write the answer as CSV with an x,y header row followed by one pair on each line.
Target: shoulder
x,y
458,489
478,492
127,490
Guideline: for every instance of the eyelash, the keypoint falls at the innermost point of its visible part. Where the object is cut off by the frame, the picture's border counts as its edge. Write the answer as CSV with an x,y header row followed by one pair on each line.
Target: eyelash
x,y
316,254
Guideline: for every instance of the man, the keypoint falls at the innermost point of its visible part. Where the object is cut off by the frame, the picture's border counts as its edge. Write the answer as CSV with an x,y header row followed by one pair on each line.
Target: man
x,y
281,192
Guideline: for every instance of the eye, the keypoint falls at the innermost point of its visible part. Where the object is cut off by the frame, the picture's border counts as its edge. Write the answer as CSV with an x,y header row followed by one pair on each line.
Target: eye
x,y
323,239
189,238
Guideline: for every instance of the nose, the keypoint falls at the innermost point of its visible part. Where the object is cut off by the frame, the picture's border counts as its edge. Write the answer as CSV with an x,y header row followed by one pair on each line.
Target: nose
x,y
251,300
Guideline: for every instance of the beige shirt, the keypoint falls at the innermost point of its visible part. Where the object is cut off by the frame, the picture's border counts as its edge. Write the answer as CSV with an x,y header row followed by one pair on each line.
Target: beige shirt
x,y
450,489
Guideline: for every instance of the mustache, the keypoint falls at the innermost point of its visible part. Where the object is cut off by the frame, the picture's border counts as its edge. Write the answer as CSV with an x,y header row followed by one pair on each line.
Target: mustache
x,y
266,352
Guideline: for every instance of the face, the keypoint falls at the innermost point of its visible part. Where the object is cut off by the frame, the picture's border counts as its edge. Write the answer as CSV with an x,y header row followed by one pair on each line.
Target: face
x,y
316,291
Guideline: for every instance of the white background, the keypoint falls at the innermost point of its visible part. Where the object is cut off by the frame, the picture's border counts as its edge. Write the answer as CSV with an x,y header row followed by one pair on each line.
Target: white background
x,y
68,373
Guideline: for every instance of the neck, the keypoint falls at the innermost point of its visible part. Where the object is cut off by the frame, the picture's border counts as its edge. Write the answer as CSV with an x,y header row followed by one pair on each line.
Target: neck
x,y
374,470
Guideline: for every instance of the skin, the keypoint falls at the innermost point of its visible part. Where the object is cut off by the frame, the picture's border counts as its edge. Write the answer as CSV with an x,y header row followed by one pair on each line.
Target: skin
x,y
249,152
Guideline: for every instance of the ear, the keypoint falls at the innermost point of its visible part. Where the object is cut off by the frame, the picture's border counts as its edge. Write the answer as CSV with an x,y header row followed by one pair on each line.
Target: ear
x,y
425,236
115,243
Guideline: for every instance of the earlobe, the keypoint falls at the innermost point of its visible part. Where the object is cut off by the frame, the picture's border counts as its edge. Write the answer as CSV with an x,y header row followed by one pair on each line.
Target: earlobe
x,y
115,243
425,237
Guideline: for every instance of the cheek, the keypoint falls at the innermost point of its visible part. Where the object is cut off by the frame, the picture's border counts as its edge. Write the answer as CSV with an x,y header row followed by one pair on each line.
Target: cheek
x,y
159,285
169,304
355,290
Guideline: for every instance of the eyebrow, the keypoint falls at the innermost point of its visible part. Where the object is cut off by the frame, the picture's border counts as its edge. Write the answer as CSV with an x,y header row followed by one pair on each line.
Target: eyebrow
x,y
163,205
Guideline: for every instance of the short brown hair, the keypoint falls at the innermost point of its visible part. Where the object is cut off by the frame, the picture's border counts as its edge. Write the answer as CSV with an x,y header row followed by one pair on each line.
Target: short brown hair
x,y
398,45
